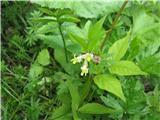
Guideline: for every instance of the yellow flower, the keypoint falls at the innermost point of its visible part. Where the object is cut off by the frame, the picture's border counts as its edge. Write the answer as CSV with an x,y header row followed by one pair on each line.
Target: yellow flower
x,y
84,69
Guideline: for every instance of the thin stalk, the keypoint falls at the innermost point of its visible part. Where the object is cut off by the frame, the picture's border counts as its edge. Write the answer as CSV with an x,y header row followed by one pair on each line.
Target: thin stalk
x,y
13,74
7,91
10,60
113,24
10,88
64,43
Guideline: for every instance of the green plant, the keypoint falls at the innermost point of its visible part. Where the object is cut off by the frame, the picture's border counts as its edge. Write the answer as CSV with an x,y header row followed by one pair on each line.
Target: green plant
x,y
83,61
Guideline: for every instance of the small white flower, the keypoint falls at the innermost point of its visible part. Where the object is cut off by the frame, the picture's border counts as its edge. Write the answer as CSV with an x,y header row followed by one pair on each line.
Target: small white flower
x,y
88,56
84,69
79,58
76,59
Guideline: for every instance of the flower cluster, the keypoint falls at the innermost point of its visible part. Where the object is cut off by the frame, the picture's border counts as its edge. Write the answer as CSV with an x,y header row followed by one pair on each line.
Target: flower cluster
x,y
87,57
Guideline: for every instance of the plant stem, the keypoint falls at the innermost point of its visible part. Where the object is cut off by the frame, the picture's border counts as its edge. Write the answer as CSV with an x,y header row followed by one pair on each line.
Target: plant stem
x,y
113,24
64,43
7,91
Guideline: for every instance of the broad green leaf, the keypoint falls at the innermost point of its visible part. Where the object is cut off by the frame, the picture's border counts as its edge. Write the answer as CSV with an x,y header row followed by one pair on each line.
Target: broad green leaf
x,y
43,57
84,8
73,88
119,48
95,108
79,40
125,68
59,56
74,48
110,84
56,42
53,41
142,23
95,34
73,28
68,67
35,70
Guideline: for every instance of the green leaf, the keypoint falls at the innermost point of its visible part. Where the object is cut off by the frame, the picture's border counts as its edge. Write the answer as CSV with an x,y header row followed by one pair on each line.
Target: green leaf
x,y
84,8
43,57
134,48
45,19
53,41
65,117
95,34
125,68
85,89
46,11
73,88
112,102
95,108
66,18
153,98
86,28
47,28
68,67
61,12
77,39
35,70
119,48
61,111
110,84
151,64
142,23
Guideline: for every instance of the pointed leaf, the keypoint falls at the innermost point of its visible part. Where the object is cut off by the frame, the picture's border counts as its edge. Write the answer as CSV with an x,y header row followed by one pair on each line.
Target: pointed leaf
x,y
96,34
126,68
119,48
110,84
67,18
46,11
45,19
86,27
95,108
75,98
79,40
